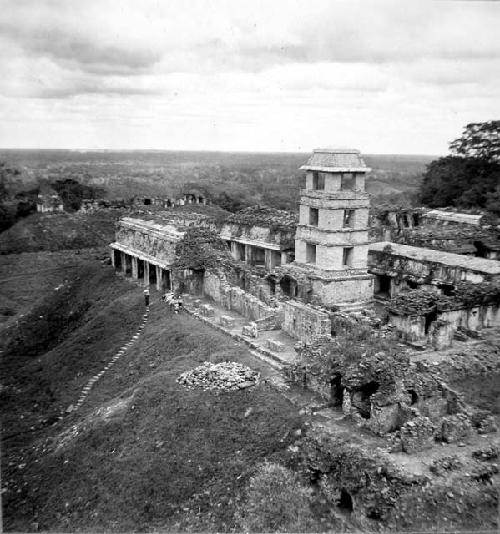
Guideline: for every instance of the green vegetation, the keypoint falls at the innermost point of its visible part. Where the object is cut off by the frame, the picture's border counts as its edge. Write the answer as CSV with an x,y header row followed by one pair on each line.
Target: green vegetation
x,y
143,453
276,501
231,180
13,206
60,231
201,249
470,177
73,192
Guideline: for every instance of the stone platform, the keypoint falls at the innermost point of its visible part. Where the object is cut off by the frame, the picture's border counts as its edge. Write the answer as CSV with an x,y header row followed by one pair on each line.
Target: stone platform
x,y
275,346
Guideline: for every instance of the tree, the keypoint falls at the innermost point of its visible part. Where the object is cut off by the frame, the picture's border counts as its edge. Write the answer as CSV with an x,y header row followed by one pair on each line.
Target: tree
x,y
479,140
72,193
468,177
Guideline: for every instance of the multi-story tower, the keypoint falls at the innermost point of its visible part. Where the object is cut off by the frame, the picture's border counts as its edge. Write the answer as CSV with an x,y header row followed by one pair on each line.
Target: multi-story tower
x,y
331,242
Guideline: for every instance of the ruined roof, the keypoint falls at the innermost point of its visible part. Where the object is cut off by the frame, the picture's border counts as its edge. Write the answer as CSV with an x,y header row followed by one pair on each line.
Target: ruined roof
x,y
436,256
455,217
336,160
152,227
264,216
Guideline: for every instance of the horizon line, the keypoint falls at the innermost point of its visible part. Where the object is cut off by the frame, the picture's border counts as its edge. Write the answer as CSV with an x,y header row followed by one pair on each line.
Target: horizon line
x,y
207,151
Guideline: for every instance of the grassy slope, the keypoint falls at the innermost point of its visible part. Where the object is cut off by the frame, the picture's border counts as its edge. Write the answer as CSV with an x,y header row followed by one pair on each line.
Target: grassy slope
x,y
164,456
59,231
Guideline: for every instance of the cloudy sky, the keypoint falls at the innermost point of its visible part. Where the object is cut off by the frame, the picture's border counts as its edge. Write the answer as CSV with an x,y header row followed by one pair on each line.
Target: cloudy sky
x,y
383,76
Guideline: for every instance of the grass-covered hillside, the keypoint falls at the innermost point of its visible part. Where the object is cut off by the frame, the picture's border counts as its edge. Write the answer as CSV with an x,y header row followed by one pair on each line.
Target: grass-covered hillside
x,y
57,231
142,452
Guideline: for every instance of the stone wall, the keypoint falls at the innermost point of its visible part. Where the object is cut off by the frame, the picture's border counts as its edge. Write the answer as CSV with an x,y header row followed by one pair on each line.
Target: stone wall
x,y
428,266
233,298
440,332
304,322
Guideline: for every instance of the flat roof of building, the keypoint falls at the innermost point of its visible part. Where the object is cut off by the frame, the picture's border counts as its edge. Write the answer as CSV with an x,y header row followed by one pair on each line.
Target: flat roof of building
x,y
446,258
263,216
162,230
453,216
336,160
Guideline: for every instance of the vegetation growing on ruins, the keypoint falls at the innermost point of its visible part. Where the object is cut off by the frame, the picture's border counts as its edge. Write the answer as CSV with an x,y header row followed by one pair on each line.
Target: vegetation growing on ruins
x,y
352,343
201,249
276,501
72,192
465,295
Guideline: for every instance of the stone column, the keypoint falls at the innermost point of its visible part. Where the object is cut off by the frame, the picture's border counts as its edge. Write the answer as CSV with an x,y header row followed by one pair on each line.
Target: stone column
x,y
113,263
268,259
135,268
283,258
235,250
159,278
146,273
248,254
124,262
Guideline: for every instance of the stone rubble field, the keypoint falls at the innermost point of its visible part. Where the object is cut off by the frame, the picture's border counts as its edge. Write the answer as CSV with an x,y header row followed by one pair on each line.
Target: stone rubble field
x,y
224,376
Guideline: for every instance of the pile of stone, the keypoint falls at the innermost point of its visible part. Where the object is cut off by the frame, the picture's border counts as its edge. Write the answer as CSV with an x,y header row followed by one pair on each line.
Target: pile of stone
x,y
441,466
489,452
224,376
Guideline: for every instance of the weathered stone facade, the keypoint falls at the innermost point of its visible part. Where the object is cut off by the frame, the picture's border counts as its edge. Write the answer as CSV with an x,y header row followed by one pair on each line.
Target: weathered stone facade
x,y
402,267
260,236
331,243
145,250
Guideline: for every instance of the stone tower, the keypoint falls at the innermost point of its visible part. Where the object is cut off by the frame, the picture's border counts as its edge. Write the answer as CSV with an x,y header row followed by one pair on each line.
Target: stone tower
x,y
331,242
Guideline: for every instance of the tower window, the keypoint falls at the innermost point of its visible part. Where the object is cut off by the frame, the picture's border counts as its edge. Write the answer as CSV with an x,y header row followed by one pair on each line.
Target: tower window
x,y
348,219
310,253
347,181
318,180
347,257
313,216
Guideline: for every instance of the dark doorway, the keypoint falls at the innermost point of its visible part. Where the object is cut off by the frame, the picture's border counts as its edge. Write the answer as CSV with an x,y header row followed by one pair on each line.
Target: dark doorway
x,y
286,286
414,396
117,255
167,284
481,251
140,268
383,286
336,390
362,398
429,319
447,289
272,287
147,202
411,284
152,275
345,501
128,265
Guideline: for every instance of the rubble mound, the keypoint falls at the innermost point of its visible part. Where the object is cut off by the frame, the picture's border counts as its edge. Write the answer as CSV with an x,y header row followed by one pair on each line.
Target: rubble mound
x,y
224,376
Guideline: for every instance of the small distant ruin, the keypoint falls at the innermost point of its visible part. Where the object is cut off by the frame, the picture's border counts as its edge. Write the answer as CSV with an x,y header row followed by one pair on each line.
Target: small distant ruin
x,y
188,198
49,202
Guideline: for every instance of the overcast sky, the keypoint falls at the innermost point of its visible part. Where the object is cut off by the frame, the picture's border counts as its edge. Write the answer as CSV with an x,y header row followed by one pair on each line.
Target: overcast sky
x,y
382,76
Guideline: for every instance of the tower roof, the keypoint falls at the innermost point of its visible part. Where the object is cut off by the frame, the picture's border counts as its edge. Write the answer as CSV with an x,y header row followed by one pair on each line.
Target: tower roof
x,y
336,160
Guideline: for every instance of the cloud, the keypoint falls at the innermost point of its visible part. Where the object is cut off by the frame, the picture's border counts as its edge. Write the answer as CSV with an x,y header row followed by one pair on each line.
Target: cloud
x,y
285,72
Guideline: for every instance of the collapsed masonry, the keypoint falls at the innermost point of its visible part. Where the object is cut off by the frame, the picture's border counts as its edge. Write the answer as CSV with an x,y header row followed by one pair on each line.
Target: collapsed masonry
x,y
293,274
445,230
